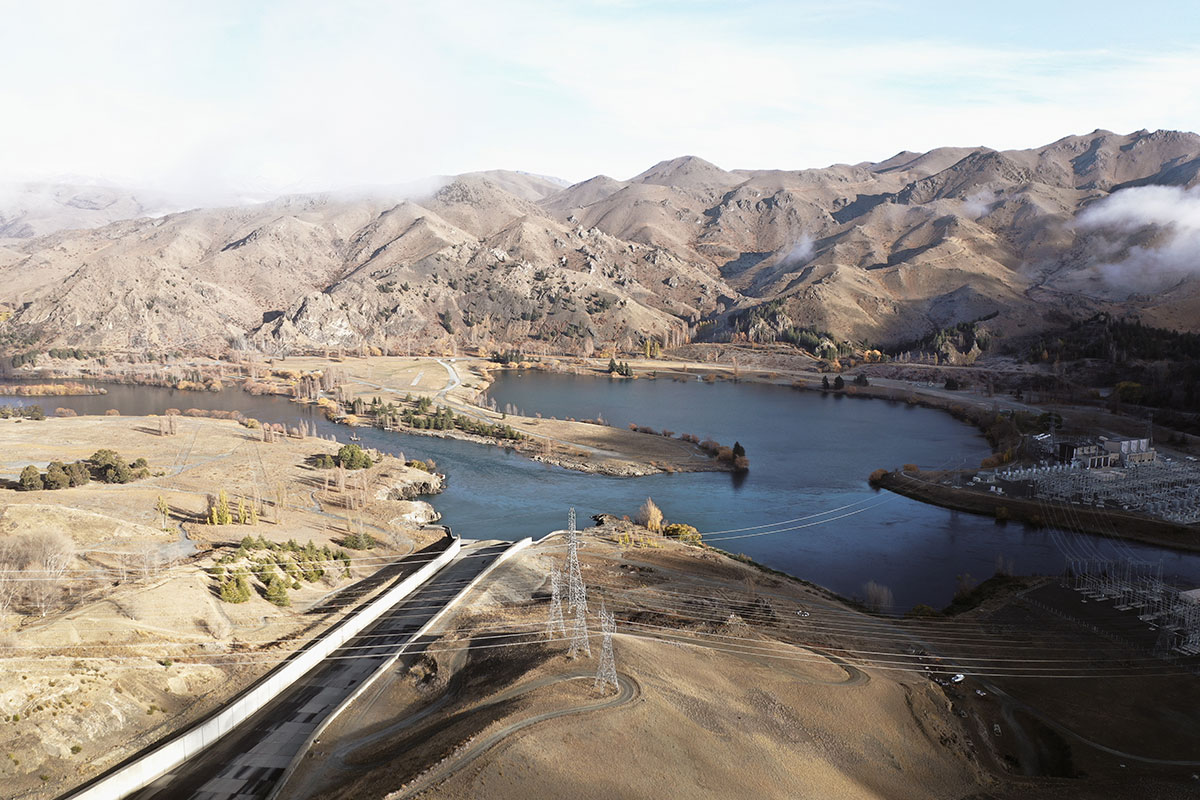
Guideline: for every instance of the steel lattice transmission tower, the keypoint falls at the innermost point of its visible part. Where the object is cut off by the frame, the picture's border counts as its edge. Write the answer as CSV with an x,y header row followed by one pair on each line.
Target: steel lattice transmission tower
x,y
555,626
607,672
576,593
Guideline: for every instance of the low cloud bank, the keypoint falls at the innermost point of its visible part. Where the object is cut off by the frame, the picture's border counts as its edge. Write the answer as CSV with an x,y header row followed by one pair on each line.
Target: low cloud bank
x,y
1144,239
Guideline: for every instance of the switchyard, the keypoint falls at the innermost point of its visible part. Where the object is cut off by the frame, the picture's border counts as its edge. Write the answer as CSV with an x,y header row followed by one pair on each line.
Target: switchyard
x,y
1135,588
1162,489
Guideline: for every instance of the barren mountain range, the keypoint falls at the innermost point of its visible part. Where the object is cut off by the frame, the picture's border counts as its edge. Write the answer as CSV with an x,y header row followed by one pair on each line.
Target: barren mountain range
x,y
885,252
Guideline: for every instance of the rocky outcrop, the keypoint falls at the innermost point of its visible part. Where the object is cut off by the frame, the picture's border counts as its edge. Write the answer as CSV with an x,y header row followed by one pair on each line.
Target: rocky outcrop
x,y
886,251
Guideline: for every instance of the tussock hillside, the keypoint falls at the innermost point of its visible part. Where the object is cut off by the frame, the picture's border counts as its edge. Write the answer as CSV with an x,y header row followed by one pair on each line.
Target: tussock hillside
x,y
884,251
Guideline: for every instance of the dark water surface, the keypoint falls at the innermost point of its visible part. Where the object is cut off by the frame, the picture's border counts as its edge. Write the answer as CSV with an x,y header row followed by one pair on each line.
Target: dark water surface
x,y
810,455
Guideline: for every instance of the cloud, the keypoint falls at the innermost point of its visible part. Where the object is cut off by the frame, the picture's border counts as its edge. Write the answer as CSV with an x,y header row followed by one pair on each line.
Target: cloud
x,y
978,204
230,97
800,253
1144,239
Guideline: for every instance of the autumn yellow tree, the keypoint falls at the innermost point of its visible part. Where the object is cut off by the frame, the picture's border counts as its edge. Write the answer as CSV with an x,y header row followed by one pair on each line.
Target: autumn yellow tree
x,y
163,509
650,516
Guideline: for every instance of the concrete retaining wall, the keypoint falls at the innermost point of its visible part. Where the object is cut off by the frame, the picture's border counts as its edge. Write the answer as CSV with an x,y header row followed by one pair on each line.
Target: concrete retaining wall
x,y
145,770
514,548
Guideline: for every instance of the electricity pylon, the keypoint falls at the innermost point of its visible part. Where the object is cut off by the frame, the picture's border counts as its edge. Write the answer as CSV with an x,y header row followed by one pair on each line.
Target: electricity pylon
x,y
607,671
555,626
576,593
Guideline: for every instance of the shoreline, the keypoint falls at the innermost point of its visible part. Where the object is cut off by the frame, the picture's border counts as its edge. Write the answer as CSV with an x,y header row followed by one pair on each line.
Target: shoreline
x,y
1109,523
633,470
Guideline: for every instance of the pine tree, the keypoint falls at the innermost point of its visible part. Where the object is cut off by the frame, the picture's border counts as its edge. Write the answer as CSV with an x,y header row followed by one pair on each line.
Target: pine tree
x,y
236,589
277,592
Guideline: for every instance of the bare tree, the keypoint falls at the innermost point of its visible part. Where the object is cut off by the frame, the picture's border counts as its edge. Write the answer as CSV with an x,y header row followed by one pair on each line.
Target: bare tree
x,y
280,500
12,561
39,591
150,562
878,596
53,550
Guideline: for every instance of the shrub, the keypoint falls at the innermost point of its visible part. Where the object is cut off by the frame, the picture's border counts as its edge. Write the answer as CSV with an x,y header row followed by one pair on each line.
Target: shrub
x,y
351,456
56,476
78,473
31,479
119,473
682,532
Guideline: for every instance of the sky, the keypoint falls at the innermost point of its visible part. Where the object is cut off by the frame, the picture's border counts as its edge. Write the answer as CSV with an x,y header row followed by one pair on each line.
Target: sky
x,y
222,96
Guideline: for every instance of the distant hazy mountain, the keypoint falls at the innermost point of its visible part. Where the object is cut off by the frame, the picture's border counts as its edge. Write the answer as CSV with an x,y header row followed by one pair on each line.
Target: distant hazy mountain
x,y
33,209
884,251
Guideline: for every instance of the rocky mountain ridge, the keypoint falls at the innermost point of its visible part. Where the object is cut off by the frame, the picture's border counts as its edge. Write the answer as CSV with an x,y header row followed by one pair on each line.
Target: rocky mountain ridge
x,y
879,251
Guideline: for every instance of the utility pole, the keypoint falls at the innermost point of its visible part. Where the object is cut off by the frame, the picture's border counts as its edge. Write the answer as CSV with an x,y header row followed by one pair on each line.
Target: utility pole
x,y
555,625
607,671
576,593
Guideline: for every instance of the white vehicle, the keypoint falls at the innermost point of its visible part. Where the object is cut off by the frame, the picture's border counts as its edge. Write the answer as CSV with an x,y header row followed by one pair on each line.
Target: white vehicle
x,y
959,678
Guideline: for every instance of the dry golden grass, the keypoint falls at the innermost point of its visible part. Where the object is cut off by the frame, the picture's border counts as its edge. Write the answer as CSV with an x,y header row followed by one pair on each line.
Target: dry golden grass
x,y
127,654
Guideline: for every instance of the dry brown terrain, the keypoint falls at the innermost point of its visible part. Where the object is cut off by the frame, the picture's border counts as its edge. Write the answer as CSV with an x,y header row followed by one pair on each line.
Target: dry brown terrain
x,y
135,640
886,251
723,682
735,705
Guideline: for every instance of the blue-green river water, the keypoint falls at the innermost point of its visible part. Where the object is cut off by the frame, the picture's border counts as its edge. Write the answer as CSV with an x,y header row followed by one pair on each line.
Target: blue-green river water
x,y
804,507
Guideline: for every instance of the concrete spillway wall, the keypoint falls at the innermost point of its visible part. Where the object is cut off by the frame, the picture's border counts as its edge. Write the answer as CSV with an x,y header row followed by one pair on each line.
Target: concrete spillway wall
x,y
512,550
143,770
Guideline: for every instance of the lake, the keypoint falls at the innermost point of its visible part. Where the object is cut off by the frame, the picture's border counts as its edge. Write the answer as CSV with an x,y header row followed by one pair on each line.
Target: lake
x,y
804,507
